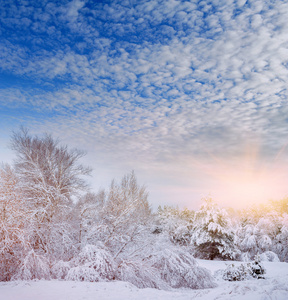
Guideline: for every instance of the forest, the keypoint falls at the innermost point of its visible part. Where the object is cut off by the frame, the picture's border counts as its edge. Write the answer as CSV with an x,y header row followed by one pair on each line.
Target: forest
x,y
53,227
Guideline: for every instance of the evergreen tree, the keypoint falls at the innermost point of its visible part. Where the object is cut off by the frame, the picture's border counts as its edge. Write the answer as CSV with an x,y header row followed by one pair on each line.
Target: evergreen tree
x,y
212,236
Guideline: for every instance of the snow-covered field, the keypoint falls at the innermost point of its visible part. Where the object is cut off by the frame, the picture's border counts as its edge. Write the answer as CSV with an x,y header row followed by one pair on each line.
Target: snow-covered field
x,y
273,287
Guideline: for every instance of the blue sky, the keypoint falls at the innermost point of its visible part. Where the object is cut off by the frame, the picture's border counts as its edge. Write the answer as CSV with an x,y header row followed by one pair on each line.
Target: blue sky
x,y
189,94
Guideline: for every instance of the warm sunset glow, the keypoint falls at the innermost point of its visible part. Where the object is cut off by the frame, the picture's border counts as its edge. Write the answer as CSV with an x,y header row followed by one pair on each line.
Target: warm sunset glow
x,y
241,188
247,180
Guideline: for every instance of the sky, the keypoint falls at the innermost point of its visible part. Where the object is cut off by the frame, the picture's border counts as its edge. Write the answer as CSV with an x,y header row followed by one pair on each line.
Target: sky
x,y
191,95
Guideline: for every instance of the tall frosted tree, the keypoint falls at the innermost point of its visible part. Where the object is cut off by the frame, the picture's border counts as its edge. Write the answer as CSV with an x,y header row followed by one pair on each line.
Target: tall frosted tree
x,y
49,175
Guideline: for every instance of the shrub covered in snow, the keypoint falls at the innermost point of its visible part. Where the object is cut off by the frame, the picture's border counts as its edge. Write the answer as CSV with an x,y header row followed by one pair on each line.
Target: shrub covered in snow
x,y
84,273
33,267
60,269
140,274
257,267
269,256
94,263
236,273
246,271
179,269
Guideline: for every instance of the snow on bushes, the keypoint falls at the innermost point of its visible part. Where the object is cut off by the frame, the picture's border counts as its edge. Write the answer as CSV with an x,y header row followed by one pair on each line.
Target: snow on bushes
x,y
94,263
246,271
179,269
173,267
33,267
234,273
60,269
269,256
84,273
140,274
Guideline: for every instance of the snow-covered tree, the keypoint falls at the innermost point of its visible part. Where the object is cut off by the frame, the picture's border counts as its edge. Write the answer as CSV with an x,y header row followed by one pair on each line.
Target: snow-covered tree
x,y
179,269
94,263
88,212
177,223
49,175
257,235
33,266
281,240
159,263
212,235
123,218
13,218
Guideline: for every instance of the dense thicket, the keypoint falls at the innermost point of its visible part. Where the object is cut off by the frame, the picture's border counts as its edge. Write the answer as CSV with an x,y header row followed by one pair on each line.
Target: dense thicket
x,y
13,221
99,237
215,233
51,226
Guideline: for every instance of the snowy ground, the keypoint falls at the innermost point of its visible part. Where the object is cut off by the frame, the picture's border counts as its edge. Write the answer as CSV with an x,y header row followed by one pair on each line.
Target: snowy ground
x,y
274,287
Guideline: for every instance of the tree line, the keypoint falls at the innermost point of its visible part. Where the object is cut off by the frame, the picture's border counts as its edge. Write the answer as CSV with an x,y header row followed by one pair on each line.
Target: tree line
x,y
113,234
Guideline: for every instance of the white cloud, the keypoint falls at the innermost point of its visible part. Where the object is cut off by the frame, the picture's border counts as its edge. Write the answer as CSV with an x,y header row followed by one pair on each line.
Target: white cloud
x,y
157,84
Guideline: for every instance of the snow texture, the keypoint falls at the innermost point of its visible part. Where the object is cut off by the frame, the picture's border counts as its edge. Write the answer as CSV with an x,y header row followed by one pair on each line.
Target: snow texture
x,y
33,267
180,269
274,286
93,264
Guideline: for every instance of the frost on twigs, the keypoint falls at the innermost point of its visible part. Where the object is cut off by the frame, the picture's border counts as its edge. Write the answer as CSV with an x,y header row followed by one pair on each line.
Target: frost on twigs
x,y
13,211
33,267
93,263
60,269
180,269
140,274
158,263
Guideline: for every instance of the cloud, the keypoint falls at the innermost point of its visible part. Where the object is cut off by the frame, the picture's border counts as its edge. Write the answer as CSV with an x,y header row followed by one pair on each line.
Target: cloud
x,y
73,9
150,83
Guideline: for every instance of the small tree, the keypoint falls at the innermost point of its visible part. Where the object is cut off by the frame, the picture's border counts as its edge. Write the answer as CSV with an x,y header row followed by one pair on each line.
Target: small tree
x,y
212,236
94,263
33,266
123,216
176,223
258,236
281,241
159,263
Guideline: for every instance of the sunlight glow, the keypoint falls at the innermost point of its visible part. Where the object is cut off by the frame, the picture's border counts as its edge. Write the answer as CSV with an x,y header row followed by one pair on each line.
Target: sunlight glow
x,y
247,180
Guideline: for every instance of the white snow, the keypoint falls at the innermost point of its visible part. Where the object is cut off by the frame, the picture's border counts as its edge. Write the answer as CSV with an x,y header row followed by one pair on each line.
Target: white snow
x,y
274,287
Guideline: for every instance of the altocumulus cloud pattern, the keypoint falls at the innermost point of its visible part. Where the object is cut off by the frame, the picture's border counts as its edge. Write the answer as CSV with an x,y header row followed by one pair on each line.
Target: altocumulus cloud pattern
x,y
148,81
